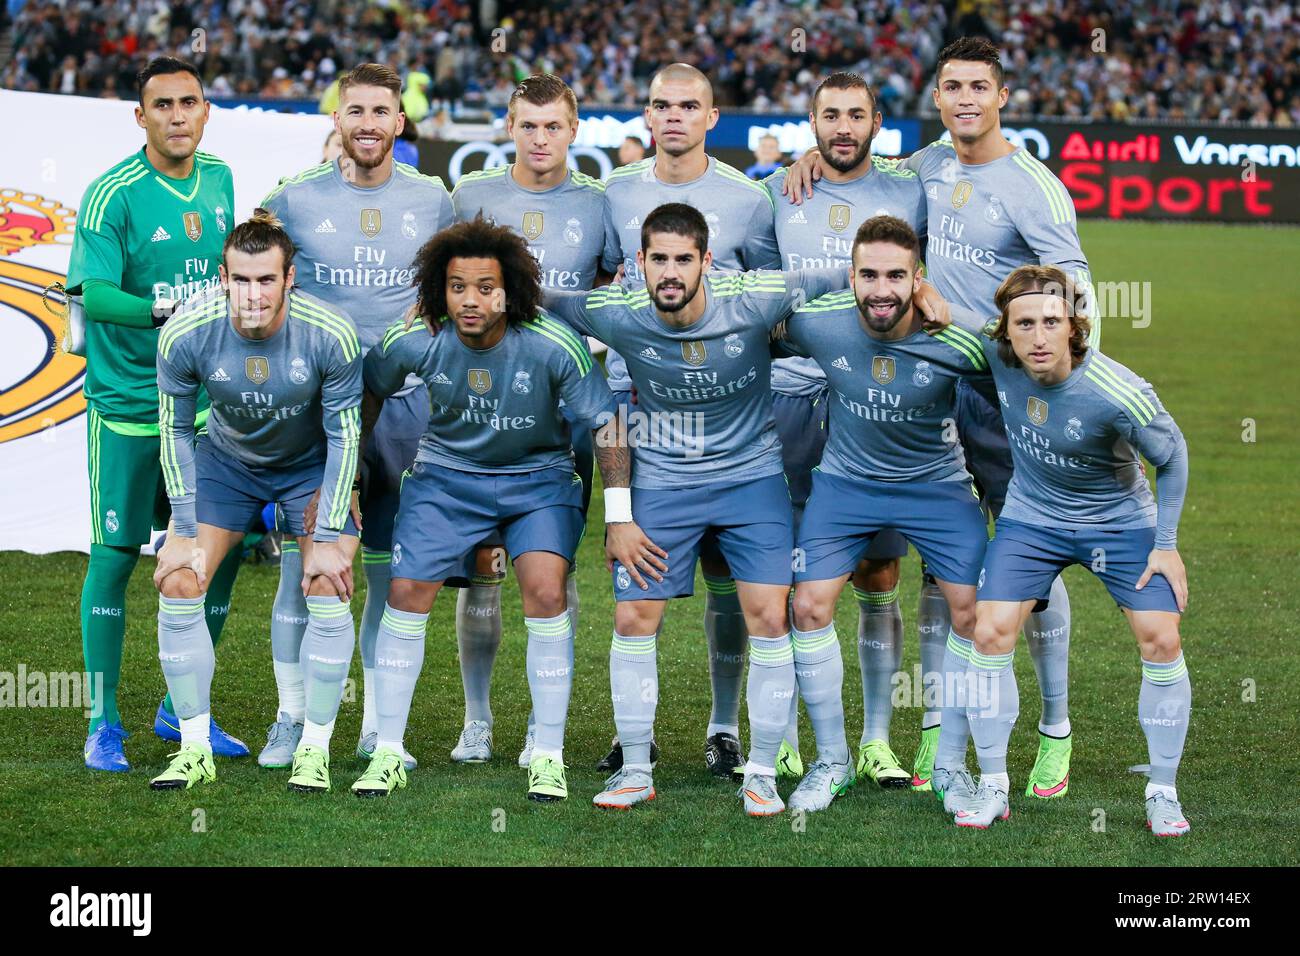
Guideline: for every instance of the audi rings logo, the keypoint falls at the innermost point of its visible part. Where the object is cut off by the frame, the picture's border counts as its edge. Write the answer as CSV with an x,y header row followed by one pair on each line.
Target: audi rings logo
x,y
500,154
1026,137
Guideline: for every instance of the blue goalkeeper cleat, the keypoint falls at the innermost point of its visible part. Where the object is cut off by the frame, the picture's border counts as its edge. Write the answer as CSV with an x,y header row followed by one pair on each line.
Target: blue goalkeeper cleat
x,y
167,726
104,749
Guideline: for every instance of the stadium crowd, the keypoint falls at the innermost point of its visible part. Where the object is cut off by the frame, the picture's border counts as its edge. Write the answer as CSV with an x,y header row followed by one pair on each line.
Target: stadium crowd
x,y
1224,61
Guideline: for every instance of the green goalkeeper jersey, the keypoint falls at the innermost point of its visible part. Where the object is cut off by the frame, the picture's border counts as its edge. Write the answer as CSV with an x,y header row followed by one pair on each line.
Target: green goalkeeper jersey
x,y
151,236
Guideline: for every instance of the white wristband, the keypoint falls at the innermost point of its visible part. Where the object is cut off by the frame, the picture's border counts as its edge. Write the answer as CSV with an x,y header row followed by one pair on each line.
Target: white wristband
x,y
618,505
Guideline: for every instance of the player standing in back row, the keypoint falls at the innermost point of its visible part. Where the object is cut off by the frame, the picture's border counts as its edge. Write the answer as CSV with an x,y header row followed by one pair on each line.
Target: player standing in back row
x,y
993,207
560,212
149,234
739,214
357,239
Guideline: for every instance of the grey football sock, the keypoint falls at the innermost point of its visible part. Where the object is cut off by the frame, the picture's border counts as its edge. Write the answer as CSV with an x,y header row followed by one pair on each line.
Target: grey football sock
x,y
992,709
288,624
933,623
880,654
378,568
478,637
326,656
550,678
1048,633
819,669
954,731
399,656
724,628
634,689
1164,709
792,725
185,652
769,692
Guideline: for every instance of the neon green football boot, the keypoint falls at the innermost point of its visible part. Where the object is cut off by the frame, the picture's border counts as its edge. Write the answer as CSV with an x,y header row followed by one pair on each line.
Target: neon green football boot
x,y
387,772
311,769
190,765
923,763
877,762
788,762
1050,777
546,782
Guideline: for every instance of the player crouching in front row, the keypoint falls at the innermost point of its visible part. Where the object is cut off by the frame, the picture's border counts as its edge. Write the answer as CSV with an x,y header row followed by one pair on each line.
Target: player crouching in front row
x,y
496,458
1077,421
283,372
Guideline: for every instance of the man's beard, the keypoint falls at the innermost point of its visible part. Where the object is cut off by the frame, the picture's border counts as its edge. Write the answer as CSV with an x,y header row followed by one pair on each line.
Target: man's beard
x,y
824,146
680,304
361,163
887,324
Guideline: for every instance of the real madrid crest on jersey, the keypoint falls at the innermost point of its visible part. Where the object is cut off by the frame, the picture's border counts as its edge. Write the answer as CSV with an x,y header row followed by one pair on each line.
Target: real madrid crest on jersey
x,y
922,376
994,213
522,384
408,225
713,220
882,368
839,216
532,226
298,372
480,380
573,232
1036,409
961,193
220,214
694,352
1074,430
371,222
193,226
257,369
732,345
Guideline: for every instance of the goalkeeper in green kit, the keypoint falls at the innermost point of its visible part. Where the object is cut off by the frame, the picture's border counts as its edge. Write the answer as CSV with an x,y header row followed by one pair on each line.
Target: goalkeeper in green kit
x,y
149,235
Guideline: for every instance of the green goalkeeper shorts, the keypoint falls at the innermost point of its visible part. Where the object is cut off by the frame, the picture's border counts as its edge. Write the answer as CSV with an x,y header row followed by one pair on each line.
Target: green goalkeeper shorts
x,y
128,497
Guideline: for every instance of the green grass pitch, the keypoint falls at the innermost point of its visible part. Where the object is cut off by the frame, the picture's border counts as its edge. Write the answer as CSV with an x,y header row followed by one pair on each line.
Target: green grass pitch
x,y
1218,348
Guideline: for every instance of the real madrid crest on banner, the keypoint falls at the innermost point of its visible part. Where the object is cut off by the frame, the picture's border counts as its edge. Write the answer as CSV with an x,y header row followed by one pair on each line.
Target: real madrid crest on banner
x,y
694,352
882,368
839,217
480,380
1036,409
257,369
961,193
532,227
371,222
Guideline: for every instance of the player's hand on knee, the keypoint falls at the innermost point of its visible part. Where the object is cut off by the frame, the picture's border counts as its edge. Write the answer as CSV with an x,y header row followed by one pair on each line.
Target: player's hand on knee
x,y
934,309
800,176
627,544
179,553
1170,564
327,559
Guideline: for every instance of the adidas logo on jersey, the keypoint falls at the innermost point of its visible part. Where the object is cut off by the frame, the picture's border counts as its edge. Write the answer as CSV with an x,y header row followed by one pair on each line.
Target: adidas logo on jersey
x,y
649,353
842,364
799,217
326,226
160,235
633,223
219,376
441,379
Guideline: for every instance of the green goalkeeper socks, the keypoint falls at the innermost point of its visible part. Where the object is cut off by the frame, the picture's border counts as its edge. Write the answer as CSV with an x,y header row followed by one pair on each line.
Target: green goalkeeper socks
x,y
103,626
